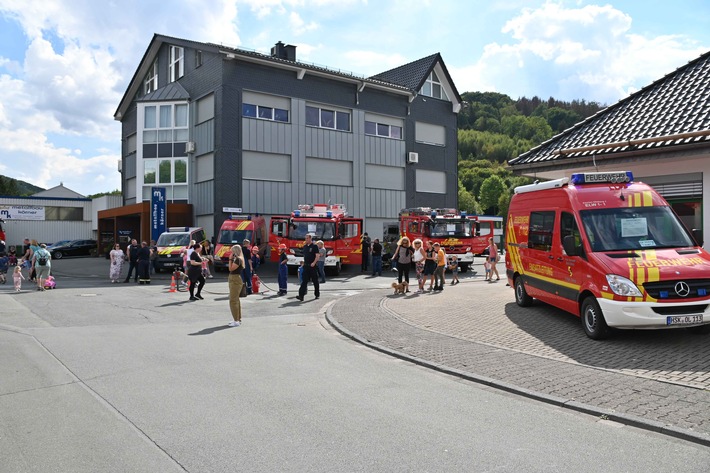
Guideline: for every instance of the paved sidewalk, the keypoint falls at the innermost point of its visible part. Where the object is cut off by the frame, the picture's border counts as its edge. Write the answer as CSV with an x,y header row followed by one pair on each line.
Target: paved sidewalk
x,y
658,380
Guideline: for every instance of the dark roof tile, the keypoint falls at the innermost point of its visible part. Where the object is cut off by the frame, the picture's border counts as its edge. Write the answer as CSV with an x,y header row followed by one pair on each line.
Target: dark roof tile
x,y
675,104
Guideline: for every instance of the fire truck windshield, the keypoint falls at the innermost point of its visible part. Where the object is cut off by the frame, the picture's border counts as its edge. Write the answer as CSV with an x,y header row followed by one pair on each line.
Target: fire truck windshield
x,y
634,228
234,237
320,230
452,228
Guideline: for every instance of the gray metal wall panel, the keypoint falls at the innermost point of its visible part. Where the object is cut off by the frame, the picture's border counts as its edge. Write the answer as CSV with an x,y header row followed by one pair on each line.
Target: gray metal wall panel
x,y
202,198
321,194
329,171
385,151
266,166
384,177
129,166
204,137
267,197
204,168
324,143
266,136
384,203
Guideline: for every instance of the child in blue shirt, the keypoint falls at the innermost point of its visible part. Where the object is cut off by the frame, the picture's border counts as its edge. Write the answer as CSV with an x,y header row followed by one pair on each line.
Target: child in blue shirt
x,y
283,270
454,268
300,273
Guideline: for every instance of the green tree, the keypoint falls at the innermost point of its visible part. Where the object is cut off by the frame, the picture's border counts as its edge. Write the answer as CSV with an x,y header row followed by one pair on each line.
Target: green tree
x,y
504,204
491,190
467,202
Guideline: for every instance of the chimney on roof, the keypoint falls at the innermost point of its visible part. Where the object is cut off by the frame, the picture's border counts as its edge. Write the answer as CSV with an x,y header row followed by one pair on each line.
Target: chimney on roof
x,y
284,51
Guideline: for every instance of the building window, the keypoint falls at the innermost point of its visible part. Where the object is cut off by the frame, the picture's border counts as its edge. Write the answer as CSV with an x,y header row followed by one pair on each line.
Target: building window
x,y
198,58
165,134
433,87
151,79
324,118
64,213
177,65
382,129
265,113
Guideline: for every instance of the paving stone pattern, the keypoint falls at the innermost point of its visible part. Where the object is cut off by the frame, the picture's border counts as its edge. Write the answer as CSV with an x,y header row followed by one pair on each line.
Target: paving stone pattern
x,y
662,376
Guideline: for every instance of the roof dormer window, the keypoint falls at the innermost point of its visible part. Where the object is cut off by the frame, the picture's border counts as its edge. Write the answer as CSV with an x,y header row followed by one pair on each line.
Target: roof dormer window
x,y
433,87
151,79
177,63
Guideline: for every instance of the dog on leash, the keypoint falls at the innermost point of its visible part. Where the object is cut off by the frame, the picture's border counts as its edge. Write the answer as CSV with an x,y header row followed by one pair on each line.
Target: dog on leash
x,y
400,288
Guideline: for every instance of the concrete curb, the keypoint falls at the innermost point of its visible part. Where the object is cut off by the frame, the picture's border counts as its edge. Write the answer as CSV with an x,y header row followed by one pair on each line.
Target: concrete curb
x,y
626,419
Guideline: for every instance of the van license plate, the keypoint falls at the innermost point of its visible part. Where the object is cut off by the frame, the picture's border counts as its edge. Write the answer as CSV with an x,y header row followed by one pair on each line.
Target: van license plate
x,y
684,319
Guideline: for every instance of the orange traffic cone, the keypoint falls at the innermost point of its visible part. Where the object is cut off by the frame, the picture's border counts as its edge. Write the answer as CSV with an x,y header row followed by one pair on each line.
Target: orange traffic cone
x,y
172,285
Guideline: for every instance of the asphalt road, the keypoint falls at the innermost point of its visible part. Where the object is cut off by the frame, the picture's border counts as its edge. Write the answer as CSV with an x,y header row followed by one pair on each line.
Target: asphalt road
x,y
122,377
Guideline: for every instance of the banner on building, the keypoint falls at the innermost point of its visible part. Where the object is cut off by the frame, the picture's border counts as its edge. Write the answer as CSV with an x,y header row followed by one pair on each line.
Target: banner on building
x,y
21,212
157,212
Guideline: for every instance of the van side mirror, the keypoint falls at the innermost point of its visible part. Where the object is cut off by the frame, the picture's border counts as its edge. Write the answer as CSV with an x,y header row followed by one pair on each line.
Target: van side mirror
x,y
568,243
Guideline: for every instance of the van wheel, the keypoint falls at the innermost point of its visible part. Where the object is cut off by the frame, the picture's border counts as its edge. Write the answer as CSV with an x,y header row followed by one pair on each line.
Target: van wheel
x,y
521,295
593,320
700,329
337,269
463,267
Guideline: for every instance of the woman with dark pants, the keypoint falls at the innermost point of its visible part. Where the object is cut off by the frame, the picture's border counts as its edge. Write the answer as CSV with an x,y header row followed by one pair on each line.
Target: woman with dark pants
x,y
403,254
194,272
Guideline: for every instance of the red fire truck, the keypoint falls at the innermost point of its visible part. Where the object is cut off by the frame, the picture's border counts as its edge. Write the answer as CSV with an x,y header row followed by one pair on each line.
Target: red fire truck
x,y
328,222
458,233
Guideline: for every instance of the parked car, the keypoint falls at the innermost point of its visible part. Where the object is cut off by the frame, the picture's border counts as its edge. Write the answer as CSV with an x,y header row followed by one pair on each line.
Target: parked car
x,y
72,248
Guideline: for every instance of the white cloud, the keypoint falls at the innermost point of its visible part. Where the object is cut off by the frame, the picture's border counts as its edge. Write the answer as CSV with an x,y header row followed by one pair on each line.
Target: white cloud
x,y
574,53
298,26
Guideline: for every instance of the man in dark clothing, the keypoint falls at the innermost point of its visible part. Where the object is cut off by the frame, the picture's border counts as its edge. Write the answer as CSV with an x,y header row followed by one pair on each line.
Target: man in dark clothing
x,y
143,260
132,254
310,268
365,240
377,258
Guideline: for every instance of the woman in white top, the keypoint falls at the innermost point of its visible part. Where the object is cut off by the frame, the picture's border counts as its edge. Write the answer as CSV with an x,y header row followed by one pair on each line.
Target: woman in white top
x,y
419,257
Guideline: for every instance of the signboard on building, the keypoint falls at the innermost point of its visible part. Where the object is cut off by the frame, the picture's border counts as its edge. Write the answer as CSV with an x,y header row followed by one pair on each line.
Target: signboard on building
x,y
157,212
21,212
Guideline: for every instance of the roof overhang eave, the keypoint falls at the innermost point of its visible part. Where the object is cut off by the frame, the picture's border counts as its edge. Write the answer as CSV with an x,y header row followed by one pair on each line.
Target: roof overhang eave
x,y
568,162
301,71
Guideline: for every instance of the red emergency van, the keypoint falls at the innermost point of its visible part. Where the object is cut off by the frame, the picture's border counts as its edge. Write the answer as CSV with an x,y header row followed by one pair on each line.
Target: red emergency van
x,y
234,231
609,250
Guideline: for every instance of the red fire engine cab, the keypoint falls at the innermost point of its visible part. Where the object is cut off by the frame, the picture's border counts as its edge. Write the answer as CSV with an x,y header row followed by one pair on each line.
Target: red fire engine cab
x,y
2,231
327,222
458,233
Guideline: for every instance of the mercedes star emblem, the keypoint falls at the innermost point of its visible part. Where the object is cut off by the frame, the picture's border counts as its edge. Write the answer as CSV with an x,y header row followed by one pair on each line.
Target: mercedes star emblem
x,y
682,289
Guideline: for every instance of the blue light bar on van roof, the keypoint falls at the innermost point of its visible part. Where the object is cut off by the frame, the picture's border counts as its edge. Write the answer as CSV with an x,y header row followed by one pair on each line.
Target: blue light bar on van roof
x,y
601,177
296,213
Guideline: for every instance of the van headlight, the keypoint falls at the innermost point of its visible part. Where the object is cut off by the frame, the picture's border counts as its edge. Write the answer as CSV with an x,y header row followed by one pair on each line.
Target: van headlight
x,y
622,286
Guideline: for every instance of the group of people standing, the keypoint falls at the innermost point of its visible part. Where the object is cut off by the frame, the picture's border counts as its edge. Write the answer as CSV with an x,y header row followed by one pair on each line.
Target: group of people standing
x,y
35,258
139,257
371,250
430,263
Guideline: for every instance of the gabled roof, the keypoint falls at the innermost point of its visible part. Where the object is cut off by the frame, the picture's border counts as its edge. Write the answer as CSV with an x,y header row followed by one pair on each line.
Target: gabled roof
x,y
300,68
414,74
670,113
59,191
172,91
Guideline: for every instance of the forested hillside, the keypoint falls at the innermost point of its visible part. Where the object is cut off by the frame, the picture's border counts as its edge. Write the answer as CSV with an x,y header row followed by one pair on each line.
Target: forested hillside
x,y
13,187
494,128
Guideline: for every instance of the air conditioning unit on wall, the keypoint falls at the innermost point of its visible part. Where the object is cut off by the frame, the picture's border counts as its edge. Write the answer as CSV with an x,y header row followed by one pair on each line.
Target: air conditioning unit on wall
x,y
412,157
190,147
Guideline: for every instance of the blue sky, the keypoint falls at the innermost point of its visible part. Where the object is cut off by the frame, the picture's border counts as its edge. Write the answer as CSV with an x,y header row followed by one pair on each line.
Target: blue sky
x,y
65,64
